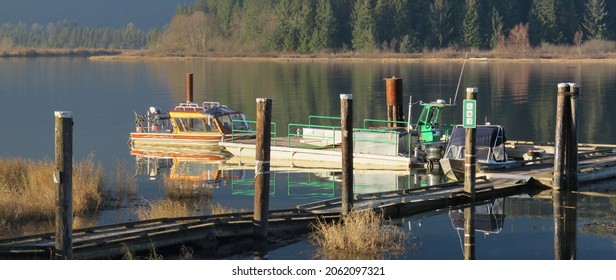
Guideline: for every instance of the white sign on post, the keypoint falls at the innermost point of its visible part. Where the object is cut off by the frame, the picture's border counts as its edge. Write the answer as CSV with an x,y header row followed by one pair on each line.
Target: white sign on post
x,y
470,113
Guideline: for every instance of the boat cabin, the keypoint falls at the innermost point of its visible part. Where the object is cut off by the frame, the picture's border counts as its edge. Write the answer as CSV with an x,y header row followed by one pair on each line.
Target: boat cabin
x,y
428,122
489,143
207,117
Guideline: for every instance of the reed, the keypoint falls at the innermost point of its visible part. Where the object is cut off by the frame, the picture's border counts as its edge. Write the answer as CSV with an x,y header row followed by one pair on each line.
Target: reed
x,y
165,208
186,188
27,190
359,235
217,209
125,182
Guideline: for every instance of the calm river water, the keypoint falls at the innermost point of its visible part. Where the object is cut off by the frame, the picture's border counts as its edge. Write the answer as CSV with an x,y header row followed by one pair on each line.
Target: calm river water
x,y
103,96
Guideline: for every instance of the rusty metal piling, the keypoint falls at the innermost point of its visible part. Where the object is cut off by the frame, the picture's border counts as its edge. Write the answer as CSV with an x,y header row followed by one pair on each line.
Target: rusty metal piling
x,y
393,88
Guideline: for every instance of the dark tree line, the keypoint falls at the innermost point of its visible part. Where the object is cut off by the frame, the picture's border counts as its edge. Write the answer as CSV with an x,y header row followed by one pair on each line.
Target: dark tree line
x,y
308,26
66,34
313,26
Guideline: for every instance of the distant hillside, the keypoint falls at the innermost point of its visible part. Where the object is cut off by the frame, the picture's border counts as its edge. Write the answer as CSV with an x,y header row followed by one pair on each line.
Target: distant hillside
x,y
145,14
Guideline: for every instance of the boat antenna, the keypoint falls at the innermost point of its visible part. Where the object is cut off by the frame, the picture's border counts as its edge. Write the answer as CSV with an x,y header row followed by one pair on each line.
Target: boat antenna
x,y
455,98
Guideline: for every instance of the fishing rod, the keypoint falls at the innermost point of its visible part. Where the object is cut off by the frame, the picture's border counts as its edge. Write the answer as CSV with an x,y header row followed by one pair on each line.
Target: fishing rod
x,y
455,98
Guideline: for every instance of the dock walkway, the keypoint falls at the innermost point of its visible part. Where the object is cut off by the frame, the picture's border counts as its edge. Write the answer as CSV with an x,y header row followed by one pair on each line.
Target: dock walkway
x,y
213,231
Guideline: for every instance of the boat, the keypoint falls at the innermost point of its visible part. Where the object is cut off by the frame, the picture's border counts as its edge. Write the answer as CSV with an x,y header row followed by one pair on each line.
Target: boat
x,y
378,145
188,128
490,152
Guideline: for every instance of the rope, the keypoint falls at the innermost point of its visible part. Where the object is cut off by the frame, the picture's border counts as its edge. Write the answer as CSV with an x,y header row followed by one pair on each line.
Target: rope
x,y
260,165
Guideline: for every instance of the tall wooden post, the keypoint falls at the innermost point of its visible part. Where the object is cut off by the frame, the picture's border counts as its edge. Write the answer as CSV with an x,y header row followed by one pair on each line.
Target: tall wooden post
x,y
470,159
559,141
189,87
572,140
346,113
565,143
393,88
63,179
262,167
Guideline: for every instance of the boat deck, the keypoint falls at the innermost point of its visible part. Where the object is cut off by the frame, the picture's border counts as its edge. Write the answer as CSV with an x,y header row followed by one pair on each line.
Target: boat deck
x,y
297,152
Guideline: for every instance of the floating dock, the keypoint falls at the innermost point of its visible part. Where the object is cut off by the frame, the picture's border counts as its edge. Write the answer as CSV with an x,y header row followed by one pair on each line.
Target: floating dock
x,y
214,231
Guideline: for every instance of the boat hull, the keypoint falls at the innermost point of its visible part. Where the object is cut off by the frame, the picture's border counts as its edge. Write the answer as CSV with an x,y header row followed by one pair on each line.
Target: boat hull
x,y
452,168
319,158
179,144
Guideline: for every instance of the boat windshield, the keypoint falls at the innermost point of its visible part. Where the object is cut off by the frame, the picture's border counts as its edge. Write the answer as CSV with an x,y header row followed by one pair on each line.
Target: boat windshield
x,y
193,125
235,120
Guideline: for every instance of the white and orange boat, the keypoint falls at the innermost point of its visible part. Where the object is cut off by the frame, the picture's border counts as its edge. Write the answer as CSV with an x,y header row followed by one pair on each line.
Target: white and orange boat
x,y
189,128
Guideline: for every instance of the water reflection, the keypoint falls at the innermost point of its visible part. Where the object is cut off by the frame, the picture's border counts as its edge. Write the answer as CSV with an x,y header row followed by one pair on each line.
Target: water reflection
x,y
565,225
232,184
487,218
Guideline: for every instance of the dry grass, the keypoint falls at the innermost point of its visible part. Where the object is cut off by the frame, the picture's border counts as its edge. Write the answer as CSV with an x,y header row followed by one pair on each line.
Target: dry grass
x,y
125,181
27,190
186,188
165,208
125,188
359,235
217,209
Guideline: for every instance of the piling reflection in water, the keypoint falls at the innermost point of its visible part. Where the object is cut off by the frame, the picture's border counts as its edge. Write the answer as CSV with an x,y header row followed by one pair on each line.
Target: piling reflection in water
x,y
565,225
487,218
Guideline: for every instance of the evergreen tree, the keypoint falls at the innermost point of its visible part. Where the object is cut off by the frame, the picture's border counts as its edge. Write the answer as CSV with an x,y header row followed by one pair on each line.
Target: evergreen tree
x,y
441,22
552,21
471,34
364,26
224,13
595,19
391,19
325,26
497,28
306,26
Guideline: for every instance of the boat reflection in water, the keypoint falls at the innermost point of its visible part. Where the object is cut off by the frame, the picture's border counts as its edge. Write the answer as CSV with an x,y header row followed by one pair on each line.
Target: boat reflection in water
x,y
489,217
289,186
206,171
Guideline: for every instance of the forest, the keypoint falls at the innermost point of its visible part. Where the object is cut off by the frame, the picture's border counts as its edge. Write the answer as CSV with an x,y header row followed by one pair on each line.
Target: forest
x,y
331,26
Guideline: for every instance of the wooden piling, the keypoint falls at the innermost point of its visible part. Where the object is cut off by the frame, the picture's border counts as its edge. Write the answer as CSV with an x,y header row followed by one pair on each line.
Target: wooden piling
x,y
469,233
346,114
470,159
565,144
262,167
63,179
189,87
572,140
393,88
559,141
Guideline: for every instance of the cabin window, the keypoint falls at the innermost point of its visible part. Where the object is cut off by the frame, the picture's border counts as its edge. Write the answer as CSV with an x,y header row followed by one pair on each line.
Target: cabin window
x,y
429,116
192,125
239,122
226,123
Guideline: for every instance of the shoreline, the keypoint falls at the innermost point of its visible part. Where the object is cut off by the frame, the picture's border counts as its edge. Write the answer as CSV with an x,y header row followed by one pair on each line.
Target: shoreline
x,y
33,53
141,55
348,59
